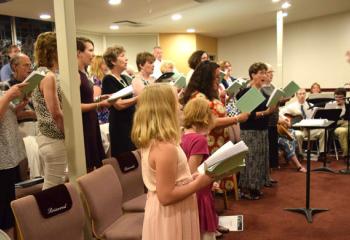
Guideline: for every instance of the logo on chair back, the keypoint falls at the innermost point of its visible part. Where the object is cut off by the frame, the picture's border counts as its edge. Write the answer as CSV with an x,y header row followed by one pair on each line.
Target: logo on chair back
x,y
58,209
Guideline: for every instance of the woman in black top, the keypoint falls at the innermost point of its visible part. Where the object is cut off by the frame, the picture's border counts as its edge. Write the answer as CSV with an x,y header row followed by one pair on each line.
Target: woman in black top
x,y
254,134
122,110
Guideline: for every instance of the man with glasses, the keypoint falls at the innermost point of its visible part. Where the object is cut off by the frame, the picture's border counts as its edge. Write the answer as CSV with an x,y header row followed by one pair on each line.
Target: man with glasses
x,y
341,132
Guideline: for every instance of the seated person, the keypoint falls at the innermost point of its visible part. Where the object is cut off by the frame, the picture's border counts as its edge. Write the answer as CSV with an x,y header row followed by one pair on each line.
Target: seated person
x,y
315,88
166,66
341,132
301,108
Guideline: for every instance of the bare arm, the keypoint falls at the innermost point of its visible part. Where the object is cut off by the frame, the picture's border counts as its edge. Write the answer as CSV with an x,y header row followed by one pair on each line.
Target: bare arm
x,y
49,90
121,104
228,121
194,161
97,91
165,158
137,85
12,93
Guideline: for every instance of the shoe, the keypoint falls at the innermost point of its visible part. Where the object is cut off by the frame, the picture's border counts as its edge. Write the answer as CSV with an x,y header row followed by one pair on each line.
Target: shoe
x,y
218,234
222,229
273,180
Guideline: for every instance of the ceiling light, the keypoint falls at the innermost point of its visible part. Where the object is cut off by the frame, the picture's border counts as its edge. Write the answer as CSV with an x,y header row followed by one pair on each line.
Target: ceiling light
x,y
286,5
275,1
114,2
285,14
191,30
45,16
114,27
176,17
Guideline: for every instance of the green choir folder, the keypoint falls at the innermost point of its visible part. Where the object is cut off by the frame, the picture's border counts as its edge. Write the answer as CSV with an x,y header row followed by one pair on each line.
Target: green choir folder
x,y
290,89
275,97
250,100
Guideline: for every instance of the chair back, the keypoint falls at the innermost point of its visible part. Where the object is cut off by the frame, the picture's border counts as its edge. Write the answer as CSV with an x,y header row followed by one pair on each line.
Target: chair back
x,y
103,195
131,182
33,226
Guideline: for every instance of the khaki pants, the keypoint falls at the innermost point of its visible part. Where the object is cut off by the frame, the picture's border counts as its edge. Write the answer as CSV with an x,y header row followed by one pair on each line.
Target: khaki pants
x,y
314,135
53,155
342,134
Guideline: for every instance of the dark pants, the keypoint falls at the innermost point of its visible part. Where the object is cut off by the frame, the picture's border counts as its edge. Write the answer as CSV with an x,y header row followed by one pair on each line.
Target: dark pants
x,y
8,178
273,146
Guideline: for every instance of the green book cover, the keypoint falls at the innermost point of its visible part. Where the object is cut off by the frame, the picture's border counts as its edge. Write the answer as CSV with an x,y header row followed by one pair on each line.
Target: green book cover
x,y
275,97
179,80
33,80
290,89
250,100
231,165
234,88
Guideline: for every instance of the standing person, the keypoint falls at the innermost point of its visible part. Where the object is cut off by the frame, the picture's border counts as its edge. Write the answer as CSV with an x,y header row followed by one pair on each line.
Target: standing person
x,y
158,55
255,134
94,151
47,99
11,154
5,72
197,121
121,112
225,66
195,59
272,127
98,70
145,65
171,210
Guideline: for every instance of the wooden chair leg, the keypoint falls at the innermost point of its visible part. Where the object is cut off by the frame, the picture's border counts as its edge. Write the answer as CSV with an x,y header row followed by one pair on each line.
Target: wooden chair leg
x,y
225,199
235,185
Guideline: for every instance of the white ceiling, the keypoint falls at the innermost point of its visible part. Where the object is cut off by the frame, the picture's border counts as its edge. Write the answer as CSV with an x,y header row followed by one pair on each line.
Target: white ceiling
x,y
215,18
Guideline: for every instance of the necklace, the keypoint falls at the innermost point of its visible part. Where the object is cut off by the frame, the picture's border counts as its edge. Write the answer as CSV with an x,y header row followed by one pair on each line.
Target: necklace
x,y
121,80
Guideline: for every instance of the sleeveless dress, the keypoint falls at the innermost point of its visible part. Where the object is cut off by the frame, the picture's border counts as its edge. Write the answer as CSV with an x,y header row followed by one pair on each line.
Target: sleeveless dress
x,y
178,221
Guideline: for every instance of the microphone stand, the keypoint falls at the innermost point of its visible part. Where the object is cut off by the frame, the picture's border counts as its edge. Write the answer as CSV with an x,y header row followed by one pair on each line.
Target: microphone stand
x,y
347,108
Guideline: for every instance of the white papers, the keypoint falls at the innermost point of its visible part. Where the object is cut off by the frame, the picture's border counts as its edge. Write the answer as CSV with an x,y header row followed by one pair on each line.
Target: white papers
x,y
233,223
232,154
311,122
127,91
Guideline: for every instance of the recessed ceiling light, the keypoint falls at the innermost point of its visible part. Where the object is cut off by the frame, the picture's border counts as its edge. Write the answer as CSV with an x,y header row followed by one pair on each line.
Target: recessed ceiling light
x,y
45,16
176,17
285,14
191,30
275,1
114,2
286,5
114,27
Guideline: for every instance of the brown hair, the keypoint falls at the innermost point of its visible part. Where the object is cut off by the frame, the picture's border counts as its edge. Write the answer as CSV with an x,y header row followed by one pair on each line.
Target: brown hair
x,y
144,57
111,55
45,50
81,41
256,67
195,59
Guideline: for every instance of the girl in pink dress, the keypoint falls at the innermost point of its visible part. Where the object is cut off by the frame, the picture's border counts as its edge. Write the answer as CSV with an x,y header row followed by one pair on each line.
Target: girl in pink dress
x,y
197,121
171,210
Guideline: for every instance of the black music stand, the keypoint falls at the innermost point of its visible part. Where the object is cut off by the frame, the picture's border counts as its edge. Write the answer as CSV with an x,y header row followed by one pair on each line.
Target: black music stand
x,y
307,211
320,99
332,115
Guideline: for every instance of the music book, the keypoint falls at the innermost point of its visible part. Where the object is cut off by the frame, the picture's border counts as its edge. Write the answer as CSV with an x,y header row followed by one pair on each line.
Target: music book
x,y
235,87
33,80
290,89
275,97
228,158
233,223
127,91
250,100
165,77
311,122
179,80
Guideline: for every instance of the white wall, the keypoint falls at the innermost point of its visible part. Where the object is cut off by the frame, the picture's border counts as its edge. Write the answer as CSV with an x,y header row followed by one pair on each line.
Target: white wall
x,y
132,43
313,50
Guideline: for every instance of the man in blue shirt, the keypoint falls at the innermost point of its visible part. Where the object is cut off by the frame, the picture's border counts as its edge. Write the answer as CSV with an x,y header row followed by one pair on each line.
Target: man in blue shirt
x,y
5,72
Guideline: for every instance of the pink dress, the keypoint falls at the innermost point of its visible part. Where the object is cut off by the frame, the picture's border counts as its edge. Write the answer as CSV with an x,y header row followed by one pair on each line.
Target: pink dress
x,y
177,221
196,144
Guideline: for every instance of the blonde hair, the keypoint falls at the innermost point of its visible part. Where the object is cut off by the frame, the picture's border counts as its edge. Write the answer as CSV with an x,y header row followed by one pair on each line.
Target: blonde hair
x,y
197,113
45,50
164,66
95,67
156,116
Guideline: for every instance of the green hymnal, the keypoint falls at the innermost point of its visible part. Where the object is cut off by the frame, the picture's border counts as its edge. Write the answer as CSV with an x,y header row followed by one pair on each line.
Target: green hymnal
x,y
250,100
33,80
290,89
179,80
275,97
227,159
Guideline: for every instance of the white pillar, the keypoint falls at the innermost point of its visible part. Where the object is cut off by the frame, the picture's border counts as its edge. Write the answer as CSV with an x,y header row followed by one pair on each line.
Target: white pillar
x,y
279,65
104,43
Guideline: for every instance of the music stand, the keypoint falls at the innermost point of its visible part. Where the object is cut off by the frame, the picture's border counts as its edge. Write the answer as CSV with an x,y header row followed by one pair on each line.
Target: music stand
x,y
332,115
320,99
307,211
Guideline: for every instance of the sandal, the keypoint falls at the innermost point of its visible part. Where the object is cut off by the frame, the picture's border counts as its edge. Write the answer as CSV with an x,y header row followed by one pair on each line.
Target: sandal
x,y
301,169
